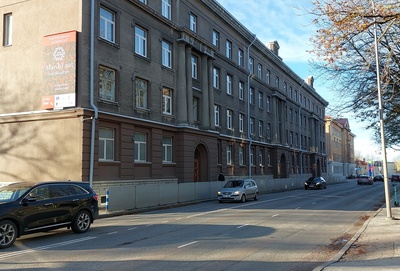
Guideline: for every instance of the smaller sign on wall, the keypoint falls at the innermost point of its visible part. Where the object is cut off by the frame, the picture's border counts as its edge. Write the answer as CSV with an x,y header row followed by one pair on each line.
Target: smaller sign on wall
x,y
59,70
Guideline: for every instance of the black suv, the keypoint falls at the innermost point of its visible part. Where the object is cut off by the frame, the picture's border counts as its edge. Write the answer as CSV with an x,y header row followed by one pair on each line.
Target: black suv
x,y
27,208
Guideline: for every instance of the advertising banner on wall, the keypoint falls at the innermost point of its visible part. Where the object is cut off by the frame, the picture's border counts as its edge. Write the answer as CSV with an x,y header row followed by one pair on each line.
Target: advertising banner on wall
x,y
59,70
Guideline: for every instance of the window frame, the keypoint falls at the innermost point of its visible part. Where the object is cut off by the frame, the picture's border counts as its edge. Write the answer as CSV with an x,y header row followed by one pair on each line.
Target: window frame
x,y
140,147
141,92
105,83
241,122
228,49
104,145
229,119
217,113
229,82
166,54
193,22
7,29
167,149
141,41
166,101
106,23
215,38
194,63
166,9
241,90
216,76
229,154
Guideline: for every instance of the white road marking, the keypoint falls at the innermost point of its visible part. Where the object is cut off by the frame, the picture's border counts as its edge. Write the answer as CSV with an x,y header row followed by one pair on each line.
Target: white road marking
x,y
188,244
26,251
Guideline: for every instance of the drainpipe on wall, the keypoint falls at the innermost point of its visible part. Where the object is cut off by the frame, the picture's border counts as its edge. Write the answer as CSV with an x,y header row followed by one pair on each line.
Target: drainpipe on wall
x,y
248,103
91,82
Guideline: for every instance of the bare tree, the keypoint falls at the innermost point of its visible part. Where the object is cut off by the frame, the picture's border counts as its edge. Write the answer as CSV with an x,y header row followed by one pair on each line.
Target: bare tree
x,y
344,47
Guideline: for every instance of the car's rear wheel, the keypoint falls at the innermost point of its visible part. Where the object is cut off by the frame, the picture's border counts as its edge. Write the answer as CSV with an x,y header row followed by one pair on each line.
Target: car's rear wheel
x,y
256,196
243,198
81,222
8,233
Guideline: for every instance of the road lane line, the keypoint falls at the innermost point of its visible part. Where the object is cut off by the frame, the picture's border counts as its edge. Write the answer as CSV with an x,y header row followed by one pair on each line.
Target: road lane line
x,y
26,251
188,244
242,226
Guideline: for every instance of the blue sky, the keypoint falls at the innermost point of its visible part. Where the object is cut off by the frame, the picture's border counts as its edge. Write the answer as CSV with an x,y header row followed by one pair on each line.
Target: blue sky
x,y
288,23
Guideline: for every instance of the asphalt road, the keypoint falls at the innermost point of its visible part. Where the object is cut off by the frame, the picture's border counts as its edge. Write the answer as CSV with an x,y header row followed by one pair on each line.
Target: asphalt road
x,y
295,230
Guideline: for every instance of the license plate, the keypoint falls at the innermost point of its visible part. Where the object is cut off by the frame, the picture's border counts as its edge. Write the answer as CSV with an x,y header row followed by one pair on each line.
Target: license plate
x,y
311,185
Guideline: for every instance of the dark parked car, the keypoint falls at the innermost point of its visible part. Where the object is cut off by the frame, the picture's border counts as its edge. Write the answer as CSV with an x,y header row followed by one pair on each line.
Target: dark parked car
x,y
315,183
238,190
378,178
364,179
395,178
28,207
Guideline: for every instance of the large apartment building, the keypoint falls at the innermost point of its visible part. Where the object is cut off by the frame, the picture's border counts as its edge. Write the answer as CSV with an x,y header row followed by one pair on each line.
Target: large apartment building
x,y
129,90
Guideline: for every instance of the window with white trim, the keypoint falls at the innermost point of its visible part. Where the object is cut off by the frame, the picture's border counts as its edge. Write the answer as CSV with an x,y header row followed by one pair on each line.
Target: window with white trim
x,y
140,147
193,22
167,101
229,155
140,93
260,99
241,156
241,90
267,76
229,84
106,144
240,57
269,130
140,41
166,9
260,128
259,73
216,78
252,126
251,66
241,122
268,105
166,54
167,149
260,157
215,38
194,67
228,52
107,24
216,114
229,122
251,95
107,84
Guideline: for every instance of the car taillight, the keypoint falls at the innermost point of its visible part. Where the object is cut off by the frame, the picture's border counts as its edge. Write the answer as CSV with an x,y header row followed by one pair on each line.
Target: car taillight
x,y
96,197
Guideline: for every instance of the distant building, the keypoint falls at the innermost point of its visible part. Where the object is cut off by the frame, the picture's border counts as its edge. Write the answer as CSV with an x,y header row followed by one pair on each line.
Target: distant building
x,y
340,146
149,91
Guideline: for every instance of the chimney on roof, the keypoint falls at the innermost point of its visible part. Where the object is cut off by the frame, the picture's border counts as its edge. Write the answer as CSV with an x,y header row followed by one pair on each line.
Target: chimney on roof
x,y
274,47
310,81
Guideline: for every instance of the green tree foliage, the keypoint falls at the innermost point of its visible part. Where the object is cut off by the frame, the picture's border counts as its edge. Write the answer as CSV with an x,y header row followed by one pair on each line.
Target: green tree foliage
x,y
344,45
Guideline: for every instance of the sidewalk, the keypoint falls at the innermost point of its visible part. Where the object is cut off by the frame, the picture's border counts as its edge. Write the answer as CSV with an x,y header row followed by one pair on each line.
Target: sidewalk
x,y
376,246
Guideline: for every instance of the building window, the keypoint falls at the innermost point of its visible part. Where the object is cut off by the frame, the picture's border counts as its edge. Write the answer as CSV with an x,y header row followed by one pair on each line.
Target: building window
x,y
241,90
229,84
290,92
107,25
216,78
260,157
251,68
166,9
285,87
295,95
140,147
268,104
259,71
228,52
195,109
140,41
277,82
215,38
260,99
229,155
251,95
193,22
140,93
269,130
240,57
260,128
269,158
241,156
7,25
167,101
241,122
107,84
167,149
229,116
106,144
267,76
252,156
194,67
143,1
252,126
216,114
166,54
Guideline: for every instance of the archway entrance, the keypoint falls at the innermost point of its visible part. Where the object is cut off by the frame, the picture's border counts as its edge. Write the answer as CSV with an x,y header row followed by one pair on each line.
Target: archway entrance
x,y
200,166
